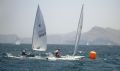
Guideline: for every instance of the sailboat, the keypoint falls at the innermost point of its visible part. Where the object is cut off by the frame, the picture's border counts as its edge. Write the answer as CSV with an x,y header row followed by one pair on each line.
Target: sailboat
x,y
78,35
39,38
17,42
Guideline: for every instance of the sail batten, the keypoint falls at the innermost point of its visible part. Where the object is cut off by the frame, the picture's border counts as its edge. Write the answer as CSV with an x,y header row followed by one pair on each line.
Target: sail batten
x,y
79,29
39,39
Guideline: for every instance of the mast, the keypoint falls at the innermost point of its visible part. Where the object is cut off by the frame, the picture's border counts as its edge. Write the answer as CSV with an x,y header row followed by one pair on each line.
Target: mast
x,y
79,29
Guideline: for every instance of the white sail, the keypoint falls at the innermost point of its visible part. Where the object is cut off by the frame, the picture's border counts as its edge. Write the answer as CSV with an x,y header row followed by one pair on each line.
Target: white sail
x,y
79,29
39,39
17,42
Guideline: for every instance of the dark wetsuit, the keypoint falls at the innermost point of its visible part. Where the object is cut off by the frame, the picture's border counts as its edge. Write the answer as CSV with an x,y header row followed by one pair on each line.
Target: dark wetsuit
x,y
57,53
24,53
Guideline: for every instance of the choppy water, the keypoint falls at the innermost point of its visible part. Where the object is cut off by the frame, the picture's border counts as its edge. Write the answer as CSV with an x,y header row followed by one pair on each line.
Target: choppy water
x,y
108,59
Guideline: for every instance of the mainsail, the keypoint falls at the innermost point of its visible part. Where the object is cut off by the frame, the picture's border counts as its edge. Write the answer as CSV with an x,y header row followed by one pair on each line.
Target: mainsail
x,y
39,39
79,29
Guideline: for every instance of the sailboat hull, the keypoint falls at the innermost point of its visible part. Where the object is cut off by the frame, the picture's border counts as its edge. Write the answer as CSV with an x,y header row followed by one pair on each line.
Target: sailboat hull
x,y
67,57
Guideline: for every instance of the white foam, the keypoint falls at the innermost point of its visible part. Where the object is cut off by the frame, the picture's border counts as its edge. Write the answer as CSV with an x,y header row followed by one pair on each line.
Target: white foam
x,y
50,57
23,57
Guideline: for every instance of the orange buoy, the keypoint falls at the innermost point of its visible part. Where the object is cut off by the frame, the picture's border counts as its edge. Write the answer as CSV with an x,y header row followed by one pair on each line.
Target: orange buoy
x,y
92,55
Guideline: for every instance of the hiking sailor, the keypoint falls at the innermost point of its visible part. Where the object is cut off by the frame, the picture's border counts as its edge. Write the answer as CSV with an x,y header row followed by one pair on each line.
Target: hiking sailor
x,y
24,53
57,53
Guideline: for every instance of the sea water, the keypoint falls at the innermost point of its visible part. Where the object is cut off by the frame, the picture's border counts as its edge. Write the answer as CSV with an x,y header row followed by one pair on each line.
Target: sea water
x,y
108,59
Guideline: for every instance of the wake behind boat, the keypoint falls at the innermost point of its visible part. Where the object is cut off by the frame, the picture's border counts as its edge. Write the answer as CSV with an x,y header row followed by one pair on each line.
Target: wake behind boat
x,y
25,57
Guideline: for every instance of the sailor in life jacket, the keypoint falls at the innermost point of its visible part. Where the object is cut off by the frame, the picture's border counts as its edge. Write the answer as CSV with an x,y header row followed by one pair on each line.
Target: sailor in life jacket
x,y
57,53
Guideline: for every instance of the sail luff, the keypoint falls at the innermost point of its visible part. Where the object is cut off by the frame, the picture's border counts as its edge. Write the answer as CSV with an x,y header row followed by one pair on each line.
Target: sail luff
x,y
79,29
39,39
34,28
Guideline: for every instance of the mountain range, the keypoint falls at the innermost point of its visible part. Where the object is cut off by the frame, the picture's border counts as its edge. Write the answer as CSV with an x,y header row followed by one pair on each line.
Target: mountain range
x,y
95,36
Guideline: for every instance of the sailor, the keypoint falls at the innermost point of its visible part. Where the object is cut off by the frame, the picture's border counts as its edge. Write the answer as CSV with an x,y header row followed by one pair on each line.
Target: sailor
x,y
24,53
57,53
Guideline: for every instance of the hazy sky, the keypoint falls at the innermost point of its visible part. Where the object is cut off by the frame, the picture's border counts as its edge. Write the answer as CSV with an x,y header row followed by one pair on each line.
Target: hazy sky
x,y
61,16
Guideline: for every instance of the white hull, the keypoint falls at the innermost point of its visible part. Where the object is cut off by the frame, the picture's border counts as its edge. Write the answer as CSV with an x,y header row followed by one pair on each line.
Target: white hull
x,y
67,57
